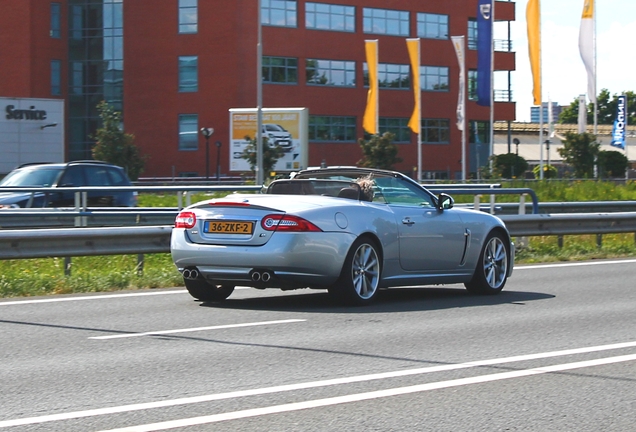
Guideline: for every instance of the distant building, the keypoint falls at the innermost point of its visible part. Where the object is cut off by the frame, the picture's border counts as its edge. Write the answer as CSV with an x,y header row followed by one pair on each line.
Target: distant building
x,y
535,113
173,67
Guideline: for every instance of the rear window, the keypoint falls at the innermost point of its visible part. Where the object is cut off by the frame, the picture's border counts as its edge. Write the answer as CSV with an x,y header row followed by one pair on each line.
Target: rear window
x,y
117,177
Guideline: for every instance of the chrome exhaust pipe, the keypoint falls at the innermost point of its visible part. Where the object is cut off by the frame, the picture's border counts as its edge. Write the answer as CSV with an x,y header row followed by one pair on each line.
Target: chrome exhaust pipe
x,y
190,273
266,276
256,276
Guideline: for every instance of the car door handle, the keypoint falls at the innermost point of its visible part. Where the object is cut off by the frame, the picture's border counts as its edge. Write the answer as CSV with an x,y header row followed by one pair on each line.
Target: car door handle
x,y
407,221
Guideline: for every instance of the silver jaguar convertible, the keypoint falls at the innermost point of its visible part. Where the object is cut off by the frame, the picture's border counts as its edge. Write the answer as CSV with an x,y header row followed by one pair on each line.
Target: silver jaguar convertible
x,y
351,231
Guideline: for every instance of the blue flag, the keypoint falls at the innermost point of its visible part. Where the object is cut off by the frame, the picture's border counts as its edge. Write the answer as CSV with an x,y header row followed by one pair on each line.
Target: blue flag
x,y
484,51
620,124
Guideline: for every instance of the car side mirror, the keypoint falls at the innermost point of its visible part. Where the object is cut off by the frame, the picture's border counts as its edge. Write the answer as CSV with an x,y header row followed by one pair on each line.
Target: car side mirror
x,y
445,201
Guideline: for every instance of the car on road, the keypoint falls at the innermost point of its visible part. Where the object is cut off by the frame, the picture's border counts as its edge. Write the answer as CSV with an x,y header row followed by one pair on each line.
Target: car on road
x,y
66,175
351,231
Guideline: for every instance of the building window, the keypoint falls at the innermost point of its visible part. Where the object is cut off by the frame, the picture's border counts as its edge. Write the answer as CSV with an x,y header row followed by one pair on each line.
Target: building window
x,y
188,74
432,26
321,16
398,127
472,85
188,16
56,77
390,76
281,13
385,21
188,132
472,34
435,131
332,128
280,70
434,78
331,72
56,20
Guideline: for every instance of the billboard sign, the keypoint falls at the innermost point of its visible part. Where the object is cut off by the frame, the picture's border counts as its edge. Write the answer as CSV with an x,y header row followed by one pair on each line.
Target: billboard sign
x,y
286,127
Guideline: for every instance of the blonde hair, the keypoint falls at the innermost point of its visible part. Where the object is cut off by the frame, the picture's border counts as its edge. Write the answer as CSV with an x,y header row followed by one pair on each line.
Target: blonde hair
x,y
366,186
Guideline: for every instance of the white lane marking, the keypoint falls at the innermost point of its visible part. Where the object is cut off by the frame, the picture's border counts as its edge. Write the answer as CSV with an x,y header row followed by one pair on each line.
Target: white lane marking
x,y
195,329
308,385
574,264
110,296
398,391
96,297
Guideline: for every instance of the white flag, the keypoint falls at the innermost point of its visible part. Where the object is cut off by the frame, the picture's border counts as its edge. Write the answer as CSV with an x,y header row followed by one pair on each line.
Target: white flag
x,y
458,43
587,48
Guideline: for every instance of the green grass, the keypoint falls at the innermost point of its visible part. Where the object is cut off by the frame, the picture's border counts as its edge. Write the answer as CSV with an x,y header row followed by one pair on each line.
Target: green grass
x,y
37,277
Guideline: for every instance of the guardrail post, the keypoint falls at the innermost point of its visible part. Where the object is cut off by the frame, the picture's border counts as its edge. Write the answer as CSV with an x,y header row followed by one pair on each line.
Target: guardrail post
x,y
599,240
560,241
67,266
140,264
492,201
522,241
476,202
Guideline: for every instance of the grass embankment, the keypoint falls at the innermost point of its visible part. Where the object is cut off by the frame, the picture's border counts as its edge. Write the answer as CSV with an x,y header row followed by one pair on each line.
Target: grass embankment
x,y
110,273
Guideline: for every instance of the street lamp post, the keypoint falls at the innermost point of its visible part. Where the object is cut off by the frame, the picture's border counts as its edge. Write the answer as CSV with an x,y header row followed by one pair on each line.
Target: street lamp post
x,y
218,160
207,133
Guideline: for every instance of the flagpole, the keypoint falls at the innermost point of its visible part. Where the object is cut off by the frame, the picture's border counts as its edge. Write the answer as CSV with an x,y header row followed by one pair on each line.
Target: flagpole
x,y
595,90
492,85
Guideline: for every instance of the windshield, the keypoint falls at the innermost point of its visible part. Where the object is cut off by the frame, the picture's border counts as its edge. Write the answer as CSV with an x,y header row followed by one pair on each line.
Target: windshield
x,y
44,177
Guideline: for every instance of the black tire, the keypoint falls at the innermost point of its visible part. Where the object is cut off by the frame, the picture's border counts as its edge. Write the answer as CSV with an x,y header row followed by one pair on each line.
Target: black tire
x,y
360,277
201,290
491,272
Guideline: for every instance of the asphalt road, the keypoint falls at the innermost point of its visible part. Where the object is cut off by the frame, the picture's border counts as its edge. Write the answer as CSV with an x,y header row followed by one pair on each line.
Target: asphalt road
x,y
556,351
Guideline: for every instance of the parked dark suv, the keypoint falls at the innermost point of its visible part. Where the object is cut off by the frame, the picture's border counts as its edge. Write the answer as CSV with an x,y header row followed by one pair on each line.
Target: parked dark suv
x,y
63,175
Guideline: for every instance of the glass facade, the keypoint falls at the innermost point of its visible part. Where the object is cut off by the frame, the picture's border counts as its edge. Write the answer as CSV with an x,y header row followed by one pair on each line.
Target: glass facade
x,y
188,74
321,16
332,128
56,77
188,132
281,13
188,16
432,26
96,67
394,76
435,131
385,21
282,70
331,72
434,78
56,20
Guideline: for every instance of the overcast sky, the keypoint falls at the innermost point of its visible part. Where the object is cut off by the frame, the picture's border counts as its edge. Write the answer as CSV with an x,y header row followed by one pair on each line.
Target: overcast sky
x,y
564,76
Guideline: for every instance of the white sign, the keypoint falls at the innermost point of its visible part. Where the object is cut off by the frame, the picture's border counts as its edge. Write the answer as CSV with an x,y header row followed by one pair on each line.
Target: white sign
x,y
285,127
31,130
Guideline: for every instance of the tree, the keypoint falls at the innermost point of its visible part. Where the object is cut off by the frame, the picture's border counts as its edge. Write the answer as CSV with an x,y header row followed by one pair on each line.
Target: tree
x,y
115,146
549,171
379,151
271,154
606,109
510,165
580,151
612,163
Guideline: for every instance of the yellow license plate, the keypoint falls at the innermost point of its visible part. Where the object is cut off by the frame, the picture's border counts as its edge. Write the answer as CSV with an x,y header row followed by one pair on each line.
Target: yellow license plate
x,y
229,227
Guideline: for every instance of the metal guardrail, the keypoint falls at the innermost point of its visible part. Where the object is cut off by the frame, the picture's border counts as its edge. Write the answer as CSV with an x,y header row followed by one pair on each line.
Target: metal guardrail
x,y
68,242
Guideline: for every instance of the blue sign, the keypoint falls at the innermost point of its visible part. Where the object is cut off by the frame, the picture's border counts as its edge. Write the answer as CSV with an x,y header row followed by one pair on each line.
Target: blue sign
x,y
620,124
485,18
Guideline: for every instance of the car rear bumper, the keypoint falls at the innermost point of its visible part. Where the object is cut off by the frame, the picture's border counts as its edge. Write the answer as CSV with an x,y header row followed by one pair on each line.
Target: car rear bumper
x,y
290,260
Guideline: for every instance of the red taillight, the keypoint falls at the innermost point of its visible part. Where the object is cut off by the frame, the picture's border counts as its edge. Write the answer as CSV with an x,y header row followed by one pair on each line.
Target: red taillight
x,y
185,220
287,223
